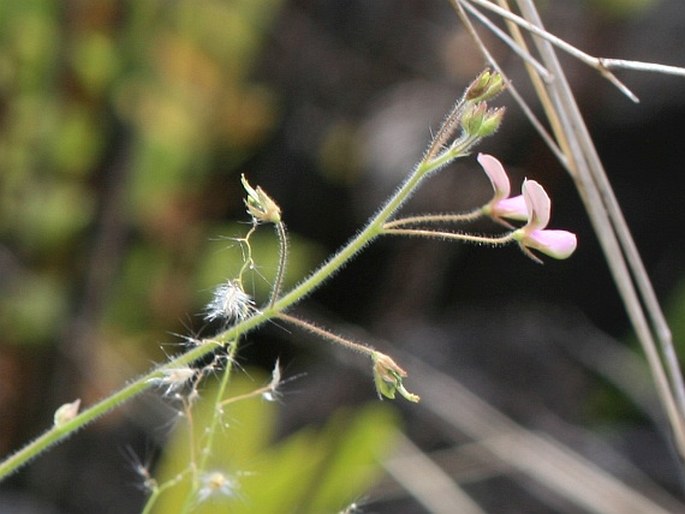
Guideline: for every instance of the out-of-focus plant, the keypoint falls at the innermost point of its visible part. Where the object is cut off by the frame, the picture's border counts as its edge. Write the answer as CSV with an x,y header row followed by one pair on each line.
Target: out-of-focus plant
x,y
311,471
115,118
469,121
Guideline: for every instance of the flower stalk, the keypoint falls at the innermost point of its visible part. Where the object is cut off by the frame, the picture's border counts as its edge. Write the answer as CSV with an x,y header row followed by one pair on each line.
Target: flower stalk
x,y
388,376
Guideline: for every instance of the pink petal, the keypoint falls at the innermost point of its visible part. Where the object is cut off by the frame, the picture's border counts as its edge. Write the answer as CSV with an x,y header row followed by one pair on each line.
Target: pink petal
x,y
513,208
538,204
559,244
495,172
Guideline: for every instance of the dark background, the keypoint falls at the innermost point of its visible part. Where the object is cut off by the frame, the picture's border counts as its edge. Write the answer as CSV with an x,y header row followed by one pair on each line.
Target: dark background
x,y
124,127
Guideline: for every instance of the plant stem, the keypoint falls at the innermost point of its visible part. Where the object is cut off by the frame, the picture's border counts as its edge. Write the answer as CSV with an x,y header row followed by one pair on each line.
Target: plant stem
x,y
375,226
213,426
325,334
435,234
372,230
282,261
465,217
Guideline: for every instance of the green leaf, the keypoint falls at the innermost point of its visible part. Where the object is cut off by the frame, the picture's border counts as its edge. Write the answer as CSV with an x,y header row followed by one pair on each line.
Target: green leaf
x,y
309,472
357,441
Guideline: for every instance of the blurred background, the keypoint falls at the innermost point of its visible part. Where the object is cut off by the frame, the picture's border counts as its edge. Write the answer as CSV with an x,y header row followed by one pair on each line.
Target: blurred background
x,y
124,127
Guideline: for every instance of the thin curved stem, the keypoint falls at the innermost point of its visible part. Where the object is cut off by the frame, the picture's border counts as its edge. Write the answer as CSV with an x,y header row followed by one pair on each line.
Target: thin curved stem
x,y
436,234
466,217
213,426
375,226
282,261
373,229
325,334
55,434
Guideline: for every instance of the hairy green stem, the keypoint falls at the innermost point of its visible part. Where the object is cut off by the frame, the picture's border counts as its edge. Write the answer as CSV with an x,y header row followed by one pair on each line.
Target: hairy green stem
x,y
205,347
325,334
211,430
436,234
465,217
375,226
282,261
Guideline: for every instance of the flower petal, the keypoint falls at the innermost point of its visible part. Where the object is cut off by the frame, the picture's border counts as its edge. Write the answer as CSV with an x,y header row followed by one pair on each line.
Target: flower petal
x,y
559,244
498,177
538,204
513,208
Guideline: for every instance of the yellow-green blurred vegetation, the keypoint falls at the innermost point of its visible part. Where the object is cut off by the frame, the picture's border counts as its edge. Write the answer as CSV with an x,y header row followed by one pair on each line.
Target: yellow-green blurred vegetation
x,y
314,470
122,128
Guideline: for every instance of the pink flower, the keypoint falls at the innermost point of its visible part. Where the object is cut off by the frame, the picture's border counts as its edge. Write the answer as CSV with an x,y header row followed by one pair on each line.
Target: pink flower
x,y
559,244
501,206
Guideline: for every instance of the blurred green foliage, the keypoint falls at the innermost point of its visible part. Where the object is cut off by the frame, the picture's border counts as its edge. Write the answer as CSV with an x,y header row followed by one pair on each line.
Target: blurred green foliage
x,y
124,126
311,471
609,404
119,121
622,8
675,314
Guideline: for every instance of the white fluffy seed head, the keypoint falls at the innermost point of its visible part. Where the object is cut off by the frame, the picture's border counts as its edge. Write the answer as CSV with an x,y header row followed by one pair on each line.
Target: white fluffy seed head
x,y
229,303
217,483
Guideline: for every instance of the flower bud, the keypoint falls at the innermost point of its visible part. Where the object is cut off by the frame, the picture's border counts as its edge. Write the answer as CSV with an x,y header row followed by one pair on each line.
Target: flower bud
x,y
491,122
388,376
479,121
66,412
260,205
486,86
473,117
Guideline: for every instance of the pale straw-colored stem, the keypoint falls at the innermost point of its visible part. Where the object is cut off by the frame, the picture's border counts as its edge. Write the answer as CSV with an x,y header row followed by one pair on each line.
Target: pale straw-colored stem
x,y
325,334
466,217
436,234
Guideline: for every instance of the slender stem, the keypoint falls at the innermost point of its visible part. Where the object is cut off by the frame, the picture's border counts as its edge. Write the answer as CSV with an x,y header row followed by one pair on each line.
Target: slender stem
x,y
436,218
642,66
213,425
375,226
157,491
151,500
282,261
446,130
471,238
520,50
325,334
372,230
246,396
247,255
55,434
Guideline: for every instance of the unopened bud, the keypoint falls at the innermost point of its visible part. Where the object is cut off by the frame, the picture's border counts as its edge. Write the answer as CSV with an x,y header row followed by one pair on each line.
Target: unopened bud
x,y
260,205
486,86
388,377
491,122
479,121
66,413
472,119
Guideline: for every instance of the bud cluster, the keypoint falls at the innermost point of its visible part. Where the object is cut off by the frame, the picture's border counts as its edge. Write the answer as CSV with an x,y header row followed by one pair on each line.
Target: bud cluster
x,y
260,205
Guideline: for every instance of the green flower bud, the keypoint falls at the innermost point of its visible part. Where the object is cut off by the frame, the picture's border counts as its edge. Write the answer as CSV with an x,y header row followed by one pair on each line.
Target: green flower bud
x,y
479,121
486,86
260,205
388,376
491,122
472,119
